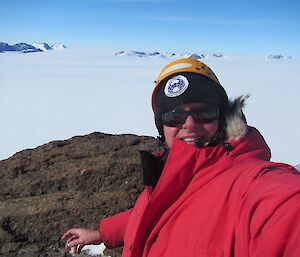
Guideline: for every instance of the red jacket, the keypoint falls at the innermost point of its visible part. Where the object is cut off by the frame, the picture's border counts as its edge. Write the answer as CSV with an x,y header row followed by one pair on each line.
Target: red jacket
x,y
211,202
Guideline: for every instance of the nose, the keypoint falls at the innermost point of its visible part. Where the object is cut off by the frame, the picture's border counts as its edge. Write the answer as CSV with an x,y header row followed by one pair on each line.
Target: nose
x,y
189,123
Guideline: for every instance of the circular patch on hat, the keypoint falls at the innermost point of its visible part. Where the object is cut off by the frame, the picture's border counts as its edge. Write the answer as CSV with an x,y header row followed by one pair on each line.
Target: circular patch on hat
x,y
176,86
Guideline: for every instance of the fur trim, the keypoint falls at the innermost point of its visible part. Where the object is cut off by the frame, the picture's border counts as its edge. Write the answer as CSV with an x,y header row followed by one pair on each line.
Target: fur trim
x,y
236,127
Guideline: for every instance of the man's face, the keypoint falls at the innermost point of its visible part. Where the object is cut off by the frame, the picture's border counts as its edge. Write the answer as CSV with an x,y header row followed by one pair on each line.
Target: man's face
x,y
191,131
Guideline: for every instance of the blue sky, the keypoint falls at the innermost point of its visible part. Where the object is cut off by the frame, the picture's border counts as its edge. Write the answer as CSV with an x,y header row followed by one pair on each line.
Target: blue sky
x,y
258,26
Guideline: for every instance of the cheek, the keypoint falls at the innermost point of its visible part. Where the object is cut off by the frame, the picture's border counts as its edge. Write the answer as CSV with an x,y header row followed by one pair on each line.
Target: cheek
x,y
170,133
211,128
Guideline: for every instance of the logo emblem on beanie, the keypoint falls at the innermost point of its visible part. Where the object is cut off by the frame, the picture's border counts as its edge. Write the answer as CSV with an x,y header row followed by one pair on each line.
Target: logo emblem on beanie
x,y
176,86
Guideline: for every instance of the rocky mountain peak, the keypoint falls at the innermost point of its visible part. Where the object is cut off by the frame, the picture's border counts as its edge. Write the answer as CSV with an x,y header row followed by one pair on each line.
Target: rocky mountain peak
x,y
64,184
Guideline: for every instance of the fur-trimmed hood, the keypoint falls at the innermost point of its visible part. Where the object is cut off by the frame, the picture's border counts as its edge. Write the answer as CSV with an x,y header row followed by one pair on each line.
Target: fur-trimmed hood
x,y
236,124
243,140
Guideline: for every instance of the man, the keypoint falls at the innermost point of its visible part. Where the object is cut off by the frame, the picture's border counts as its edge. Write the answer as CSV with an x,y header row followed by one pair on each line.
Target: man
x,y
214,191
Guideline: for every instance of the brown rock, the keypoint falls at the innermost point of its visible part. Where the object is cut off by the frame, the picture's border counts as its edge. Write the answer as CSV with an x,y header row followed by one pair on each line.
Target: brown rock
x,y
64,184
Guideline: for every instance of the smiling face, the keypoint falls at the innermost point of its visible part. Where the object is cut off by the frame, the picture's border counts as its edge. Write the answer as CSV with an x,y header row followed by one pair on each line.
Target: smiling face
x,y
192,132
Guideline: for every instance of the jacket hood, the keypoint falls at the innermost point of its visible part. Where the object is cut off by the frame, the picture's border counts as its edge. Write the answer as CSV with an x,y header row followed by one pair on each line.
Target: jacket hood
x,y
243,139
236,124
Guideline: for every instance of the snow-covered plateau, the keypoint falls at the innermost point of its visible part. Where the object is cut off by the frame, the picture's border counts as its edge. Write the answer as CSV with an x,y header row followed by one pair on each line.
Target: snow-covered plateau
x,y
60,94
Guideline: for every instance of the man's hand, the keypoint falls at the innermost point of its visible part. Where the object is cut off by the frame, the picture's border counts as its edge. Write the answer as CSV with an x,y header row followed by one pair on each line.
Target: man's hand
x,y
77,238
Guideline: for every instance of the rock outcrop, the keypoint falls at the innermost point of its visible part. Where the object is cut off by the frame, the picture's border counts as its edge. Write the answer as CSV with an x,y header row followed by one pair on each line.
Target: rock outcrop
x,y
64,184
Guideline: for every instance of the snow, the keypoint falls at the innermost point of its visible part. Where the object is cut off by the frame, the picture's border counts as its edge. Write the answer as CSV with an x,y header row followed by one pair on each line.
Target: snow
x,y
55,95
162,55
278,56
29,48
42,46
92,250
58,47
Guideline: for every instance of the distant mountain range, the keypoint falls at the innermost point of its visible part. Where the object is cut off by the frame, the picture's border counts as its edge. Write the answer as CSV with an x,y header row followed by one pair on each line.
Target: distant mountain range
x,y
168,54
27,48
186,55
42,47
278,56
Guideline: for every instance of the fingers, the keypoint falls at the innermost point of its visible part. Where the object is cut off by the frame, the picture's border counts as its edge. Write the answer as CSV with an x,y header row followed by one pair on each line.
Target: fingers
x,y
69,233
69,241
79,248
72,241
65,235
76,239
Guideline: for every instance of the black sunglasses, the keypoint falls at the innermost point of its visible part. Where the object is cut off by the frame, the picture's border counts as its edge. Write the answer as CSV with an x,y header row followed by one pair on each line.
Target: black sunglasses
x,y
203,114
